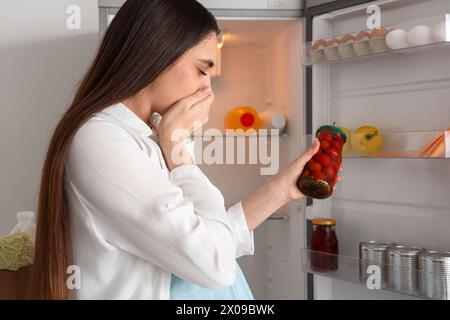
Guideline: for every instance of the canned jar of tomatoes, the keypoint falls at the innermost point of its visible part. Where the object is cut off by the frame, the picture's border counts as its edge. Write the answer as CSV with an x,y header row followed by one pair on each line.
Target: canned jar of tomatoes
x,y
319,175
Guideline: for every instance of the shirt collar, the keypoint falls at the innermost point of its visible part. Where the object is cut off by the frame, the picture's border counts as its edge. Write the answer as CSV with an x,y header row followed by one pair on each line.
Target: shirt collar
x,y
122,113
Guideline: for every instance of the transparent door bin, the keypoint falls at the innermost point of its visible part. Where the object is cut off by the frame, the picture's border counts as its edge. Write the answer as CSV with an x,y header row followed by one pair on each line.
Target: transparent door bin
x,y
405,38
398,144
429,284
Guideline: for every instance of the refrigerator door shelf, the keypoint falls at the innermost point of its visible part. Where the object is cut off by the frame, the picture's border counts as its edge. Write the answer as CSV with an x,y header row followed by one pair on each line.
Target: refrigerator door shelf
x,y
426,285
412,37
312,57
400,145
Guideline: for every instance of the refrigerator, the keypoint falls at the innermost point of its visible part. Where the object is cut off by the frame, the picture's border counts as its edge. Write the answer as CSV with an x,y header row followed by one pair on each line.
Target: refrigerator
x,y
391,195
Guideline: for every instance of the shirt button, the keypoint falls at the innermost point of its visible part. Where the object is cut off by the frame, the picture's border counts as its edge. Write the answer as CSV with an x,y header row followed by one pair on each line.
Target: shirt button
x,y
170,206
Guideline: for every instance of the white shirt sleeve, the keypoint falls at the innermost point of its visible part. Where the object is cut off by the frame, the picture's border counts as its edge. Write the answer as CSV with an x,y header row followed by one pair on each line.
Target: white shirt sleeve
x,y
243,237
178,223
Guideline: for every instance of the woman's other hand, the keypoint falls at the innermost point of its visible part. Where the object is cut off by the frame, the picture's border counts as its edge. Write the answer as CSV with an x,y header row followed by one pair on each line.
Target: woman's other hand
x,y
286,180
278,190
179,122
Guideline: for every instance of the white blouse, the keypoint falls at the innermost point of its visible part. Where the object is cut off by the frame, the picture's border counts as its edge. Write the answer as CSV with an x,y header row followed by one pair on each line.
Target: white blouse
x,y
133,222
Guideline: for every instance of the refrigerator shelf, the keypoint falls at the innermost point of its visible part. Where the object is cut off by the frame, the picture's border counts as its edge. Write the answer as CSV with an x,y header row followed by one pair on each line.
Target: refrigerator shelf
x,y
409,38
400,145
353,270
245,135
309,61
279,215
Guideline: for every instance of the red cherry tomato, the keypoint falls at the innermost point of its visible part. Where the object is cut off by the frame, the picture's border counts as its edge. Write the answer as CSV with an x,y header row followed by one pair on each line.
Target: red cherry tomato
x,y
305,173
336,144
340,139
324,144
324,160
337,166
332,153
319,176
326,136
314,166
330,172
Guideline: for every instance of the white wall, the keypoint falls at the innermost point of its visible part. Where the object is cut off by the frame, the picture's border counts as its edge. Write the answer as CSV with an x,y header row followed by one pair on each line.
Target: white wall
x,y
41,62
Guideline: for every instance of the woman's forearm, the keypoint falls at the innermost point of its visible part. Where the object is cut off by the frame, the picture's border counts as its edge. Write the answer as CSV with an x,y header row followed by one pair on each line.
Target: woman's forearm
x,y
261,204
277,191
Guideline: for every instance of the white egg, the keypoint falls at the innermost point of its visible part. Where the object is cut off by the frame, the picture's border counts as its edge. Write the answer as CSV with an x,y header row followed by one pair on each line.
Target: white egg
x,y
420,35
439,32
397,39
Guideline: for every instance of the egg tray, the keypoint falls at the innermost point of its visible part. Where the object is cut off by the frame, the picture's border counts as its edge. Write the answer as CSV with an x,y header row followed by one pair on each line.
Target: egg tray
x,y
379,40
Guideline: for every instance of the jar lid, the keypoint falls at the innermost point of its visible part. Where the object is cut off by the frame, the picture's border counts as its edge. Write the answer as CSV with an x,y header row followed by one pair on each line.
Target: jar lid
x,y
342,132
324,222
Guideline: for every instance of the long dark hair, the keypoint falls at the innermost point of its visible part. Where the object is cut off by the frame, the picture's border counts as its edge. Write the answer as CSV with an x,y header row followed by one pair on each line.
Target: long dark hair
x,y
144,39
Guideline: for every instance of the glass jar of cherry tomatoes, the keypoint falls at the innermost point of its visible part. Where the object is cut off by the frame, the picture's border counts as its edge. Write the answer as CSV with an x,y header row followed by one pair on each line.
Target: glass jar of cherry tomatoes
x,y
319,175
324,246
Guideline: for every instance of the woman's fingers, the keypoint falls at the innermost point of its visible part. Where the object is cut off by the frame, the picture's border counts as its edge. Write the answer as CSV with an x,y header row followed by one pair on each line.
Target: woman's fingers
x,y
301,161
188,112
198,96
200,110
204,104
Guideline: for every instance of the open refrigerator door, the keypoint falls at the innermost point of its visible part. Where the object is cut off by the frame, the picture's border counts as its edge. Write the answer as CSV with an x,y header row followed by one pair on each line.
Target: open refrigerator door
x,y
388,87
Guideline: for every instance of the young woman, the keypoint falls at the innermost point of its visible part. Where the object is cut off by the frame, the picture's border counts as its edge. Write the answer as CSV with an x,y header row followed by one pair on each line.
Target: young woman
x,y
113,201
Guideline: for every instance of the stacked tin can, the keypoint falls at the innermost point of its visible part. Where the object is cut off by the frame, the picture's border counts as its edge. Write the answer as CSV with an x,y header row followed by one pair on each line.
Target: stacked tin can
x,y
403,268
434,274
373,253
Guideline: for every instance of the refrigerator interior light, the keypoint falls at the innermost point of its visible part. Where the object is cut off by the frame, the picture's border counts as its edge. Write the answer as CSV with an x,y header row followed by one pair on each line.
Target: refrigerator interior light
x,y
221,39
217,70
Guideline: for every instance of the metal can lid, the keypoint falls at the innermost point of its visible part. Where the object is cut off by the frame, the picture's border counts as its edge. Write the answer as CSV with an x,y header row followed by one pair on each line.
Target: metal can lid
x,y
435,255
375,244
404,250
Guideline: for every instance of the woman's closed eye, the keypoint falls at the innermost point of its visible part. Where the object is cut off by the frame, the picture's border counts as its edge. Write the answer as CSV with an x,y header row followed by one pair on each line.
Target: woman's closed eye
x,y
202,72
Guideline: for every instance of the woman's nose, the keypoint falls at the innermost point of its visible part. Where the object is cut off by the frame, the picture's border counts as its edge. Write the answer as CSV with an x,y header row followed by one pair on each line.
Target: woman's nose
x,y
204,86
206,82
